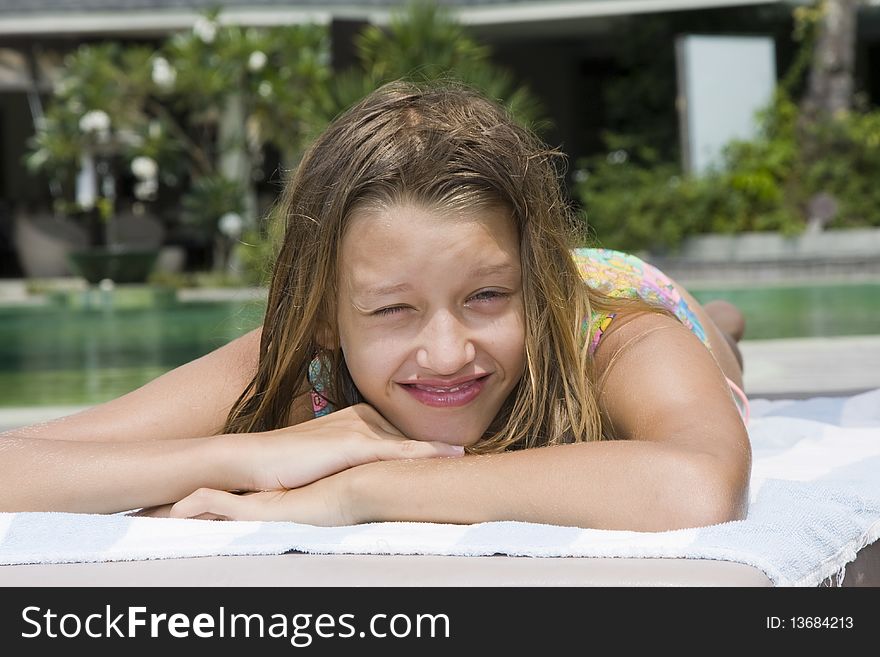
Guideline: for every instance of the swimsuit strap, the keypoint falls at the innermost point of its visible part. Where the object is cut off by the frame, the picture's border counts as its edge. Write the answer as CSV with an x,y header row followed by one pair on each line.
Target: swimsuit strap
x,y
622,275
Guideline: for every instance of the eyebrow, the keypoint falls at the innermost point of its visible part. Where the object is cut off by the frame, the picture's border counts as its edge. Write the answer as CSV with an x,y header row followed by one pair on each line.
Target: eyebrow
x,y
489,270
384,290
397,288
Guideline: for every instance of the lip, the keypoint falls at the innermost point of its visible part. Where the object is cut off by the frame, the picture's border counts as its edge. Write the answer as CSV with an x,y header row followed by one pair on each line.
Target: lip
x,y
445,394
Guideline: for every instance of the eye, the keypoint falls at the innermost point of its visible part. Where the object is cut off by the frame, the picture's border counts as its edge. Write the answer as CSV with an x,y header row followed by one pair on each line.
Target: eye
x,y
488,296
391,310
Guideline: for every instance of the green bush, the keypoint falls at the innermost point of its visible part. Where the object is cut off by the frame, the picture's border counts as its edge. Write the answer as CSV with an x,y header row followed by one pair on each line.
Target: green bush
x,y
631,200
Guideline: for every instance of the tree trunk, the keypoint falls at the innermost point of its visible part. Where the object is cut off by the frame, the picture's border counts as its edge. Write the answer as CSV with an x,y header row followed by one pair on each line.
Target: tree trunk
x,y
829,96
830,85
235,164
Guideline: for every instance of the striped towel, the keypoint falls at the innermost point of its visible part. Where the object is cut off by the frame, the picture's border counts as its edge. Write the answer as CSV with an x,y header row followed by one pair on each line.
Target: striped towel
x,y
814,503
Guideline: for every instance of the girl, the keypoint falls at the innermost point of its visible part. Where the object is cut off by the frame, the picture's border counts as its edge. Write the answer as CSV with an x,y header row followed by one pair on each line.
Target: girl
x,y
433,350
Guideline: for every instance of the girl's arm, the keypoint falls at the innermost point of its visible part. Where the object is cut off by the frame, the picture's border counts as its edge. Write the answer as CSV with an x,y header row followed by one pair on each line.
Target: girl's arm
x,y
145,447
159,443
189,401
682,458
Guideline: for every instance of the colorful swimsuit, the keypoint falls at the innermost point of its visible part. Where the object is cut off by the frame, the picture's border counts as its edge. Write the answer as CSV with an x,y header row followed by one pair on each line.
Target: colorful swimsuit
x,y
622,275
615,274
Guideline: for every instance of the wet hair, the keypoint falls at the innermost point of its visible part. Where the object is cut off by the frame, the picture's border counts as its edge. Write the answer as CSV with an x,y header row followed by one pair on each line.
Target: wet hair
x,y
448,148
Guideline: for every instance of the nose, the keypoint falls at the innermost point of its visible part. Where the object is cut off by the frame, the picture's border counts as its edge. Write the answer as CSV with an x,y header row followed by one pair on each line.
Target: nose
x,y
445,345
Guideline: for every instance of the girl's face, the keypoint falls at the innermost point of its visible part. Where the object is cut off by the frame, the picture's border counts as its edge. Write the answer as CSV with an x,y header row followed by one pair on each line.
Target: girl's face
x,y
430,317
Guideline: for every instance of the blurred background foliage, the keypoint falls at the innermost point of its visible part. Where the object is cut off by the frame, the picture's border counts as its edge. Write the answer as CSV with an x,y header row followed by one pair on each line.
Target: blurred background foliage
x,y
422,43
224,113
635,195
186,129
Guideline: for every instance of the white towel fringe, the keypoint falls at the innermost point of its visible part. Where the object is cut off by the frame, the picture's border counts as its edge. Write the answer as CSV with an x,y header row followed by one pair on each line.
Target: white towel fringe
x,y
846,556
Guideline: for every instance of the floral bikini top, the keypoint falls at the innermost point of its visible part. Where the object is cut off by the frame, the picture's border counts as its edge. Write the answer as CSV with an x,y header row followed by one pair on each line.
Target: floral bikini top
x,y
613,273
622,275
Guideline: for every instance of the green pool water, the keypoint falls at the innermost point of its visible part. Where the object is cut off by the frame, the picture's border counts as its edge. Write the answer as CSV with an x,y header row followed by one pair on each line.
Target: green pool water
x,y
803,312
77,353
72,355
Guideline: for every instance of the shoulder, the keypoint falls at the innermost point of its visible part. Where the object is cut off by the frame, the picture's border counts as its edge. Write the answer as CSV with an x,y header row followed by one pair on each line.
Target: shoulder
x,y
657,381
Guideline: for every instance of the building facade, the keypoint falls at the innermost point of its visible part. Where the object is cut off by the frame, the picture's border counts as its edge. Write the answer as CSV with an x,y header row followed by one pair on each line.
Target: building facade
x,y
596,65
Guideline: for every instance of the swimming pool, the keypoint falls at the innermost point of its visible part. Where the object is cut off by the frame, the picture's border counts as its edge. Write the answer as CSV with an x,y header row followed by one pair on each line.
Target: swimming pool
x,y
804,311
62,354
54,355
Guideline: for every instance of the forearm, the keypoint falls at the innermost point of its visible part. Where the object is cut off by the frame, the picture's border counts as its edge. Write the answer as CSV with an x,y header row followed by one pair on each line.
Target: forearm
x,y
101,477
633,485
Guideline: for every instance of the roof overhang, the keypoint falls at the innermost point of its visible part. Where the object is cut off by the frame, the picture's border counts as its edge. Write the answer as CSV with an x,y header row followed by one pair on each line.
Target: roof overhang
x,y
509,15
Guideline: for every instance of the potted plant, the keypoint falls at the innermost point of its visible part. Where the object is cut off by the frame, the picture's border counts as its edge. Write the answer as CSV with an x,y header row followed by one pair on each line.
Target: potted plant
x,y
111,255
99,148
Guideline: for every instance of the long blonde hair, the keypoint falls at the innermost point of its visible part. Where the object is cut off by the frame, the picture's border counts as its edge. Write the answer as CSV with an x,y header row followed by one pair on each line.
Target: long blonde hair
x,y
447,147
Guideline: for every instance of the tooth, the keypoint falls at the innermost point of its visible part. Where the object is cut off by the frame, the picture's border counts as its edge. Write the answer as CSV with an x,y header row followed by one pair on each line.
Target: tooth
x,y
441,390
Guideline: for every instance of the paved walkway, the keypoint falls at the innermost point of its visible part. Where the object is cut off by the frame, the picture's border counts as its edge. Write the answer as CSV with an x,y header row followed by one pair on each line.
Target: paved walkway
x,y
811,366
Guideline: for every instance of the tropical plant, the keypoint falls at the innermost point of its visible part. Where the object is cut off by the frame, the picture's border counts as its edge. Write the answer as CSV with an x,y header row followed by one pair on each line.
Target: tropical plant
x,y
631,199
98,130
424,42
198,112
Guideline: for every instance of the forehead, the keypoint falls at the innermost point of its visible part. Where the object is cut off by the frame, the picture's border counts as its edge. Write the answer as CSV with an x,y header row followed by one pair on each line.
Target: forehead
x,y
405,240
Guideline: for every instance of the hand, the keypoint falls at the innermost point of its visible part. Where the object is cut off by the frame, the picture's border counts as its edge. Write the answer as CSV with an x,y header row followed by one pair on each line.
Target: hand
x,y
299,455
161,511
319,503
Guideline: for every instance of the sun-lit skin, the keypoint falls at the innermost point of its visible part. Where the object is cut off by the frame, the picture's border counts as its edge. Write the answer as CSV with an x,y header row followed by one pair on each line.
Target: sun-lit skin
x,y
433,299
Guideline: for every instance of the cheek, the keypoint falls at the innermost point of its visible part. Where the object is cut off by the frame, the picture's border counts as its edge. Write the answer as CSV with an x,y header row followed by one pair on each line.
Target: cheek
x,y
516,354
506,342
370,362
516,334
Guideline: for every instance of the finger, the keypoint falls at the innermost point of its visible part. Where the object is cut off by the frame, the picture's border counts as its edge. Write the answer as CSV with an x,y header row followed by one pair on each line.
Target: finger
x,y
384,423
392,431
210,516
151,512
415,449
368,418
212,504
369,414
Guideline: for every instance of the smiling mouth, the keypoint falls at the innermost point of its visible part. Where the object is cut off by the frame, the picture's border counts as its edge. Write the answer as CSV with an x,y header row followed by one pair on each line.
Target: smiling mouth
x,y
459,394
